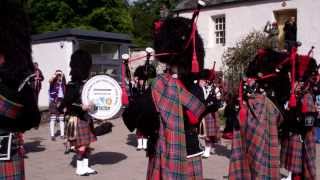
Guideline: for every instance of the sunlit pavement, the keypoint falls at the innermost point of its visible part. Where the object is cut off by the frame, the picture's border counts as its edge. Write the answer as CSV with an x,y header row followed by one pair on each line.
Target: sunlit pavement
x,y
114,157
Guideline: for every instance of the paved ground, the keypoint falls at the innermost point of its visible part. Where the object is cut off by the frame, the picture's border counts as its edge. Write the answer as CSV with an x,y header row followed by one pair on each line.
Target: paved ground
x,y
115,157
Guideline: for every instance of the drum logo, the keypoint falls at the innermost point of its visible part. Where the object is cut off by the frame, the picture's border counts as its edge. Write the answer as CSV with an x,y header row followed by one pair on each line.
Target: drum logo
x,y
105,94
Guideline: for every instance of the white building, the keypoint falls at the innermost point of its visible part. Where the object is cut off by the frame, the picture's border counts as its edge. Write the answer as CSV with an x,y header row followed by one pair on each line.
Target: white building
x,y
224,22
53,51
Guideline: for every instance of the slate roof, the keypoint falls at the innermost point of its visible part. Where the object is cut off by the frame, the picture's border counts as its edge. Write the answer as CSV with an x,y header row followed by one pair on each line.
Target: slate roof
x,y
191,4
82,34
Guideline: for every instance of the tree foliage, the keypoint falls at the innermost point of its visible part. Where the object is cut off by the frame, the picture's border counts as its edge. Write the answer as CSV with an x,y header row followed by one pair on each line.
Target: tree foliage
x,y
105,15
237,58
144,13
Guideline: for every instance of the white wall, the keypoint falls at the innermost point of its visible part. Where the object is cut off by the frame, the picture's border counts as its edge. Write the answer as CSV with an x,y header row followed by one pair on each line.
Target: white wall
x,y
242,18
50,57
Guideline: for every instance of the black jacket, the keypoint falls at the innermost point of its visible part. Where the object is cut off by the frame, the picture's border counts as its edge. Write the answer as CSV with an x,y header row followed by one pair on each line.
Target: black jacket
x,y
29,115
72,100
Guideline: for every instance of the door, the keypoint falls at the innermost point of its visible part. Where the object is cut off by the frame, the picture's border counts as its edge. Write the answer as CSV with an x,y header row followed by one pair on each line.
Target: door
x,y
282,16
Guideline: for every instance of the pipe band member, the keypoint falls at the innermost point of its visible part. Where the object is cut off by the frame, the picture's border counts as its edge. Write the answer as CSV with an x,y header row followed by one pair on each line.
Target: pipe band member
x,y
79,124
19,110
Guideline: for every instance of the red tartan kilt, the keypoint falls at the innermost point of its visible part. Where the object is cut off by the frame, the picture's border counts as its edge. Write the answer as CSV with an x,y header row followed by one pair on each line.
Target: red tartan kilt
x,y
291,154
211,125
193,170
13,169
84,133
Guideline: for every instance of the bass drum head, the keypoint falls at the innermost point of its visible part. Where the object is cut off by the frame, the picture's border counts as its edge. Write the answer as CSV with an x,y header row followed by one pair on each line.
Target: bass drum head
x,y
105,94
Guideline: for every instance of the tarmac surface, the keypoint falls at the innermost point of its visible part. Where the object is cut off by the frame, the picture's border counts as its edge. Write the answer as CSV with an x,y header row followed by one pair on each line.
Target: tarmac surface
x,y
114,157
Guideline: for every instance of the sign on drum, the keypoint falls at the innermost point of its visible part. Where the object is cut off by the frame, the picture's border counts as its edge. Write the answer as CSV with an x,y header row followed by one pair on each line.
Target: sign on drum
x,y
104,93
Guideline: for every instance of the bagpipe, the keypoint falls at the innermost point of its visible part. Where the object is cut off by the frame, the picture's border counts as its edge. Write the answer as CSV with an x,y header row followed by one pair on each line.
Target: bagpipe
x,y
271,73
178,45
140,112
15,116
212,93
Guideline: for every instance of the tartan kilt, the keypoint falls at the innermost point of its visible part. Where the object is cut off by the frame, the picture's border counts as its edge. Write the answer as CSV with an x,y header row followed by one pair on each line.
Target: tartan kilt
x,y
291,154
298,157
13,169
53,106
238,166
84,133
309,171
211,125
194,170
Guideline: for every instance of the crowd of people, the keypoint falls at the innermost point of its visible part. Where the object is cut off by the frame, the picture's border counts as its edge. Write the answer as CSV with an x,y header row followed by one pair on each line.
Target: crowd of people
x,y
270,127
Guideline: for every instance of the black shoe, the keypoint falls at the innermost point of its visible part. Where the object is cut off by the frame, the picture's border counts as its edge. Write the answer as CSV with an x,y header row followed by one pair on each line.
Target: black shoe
x,y
53,138
67,151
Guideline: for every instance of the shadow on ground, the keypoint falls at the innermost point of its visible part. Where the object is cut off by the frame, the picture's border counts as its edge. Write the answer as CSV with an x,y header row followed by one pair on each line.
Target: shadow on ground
x,y
102,128
34,146
221,150
132,140
102,158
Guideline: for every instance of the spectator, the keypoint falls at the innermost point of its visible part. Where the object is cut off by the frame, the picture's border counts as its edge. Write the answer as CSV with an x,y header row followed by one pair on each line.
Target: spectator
x,y
273,32
56,94
290,33
38,79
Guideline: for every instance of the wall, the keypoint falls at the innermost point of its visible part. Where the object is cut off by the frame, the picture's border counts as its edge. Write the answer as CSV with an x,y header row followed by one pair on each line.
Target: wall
x,y
242,18
50,57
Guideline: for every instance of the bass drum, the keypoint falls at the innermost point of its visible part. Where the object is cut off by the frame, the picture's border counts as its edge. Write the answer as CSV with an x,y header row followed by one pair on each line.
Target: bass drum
x,y
104,93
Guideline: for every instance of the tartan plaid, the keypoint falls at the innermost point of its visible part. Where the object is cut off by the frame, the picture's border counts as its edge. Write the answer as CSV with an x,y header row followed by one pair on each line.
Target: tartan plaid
x,y
291,154
8,108
53,106
255,149
309,159
300,157
170,160
84,134
212,126
13,169
238,166
195,169
308,104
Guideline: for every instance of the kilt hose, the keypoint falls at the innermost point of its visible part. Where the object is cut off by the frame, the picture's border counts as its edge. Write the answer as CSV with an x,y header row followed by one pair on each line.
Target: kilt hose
x,y
13,169
298,157
80,132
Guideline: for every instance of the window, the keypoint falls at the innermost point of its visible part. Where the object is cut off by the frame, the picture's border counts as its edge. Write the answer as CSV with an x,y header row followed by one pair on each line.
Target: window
x,y
220,29
110,51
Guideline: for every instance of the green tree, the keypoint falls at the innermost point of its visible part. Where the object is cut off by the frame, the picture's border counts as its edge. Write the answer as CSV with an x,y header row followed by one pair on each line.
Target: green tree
x,y
237,58
104,15
144,13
